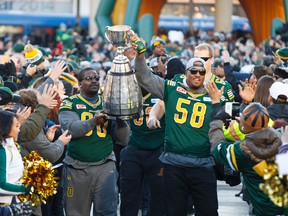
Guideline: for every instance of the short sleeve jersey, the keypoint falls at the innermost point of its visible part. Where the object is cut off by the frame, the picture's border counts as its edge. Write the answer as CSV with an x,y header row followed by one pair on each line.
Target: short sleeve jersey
x,y
233,156
96,144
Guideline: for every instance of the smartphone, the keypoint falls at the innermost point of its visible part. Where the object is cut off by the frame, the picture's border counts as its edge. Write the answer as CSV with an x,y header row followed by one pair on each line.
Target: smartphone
x,y
162,58
233,109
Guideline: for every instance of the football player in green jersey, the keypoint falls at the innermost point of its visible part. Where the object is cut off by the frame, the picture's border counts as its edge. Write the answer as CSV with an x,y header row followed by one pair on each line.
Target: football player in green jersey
x,y
89,167
188,163
140,164
261,143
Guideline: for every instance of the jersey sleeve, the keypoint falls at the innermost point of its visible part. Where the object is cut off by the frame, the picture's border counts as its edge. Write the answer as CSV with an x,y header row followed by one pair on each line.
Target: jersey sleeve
x,y
66,105
228,93
6,187
226,154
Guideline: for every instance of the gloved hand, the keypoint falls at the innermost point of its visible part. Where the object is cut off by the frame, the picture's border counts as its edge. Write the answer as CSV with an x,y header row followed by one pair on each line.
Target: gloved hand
x,y
21,209
231,177
218,113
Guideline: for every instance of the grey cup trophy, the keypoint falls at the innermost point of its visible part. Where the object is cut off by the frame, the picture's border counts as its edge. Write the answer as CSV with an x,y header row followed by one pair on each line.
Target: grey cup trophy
x,y
122,97
118,36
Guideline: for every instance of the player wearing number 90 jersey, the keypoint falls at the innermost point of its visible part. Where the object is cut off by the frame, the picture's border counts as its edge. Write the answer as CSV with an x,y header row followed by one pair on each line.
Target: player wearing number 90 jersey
x,y
89,165
97,143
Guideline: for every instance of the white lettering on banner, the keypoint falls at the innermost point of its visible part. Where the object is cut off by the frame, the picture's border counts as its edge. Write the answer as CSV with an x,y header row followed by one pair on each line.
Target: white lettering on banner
x,y
204,23
37,6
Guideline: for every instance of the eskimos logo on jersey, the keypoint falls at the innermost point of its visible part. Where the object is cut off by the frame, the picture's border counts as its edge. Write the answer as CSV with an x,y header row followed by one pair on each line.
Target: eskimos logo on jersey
x,y
66,104
181,90
80,106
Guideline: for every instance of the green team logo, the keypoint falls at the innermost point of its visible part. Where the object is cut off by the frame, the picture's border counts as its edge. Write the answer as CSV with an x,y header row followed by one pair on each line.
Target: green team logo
x,y
66,104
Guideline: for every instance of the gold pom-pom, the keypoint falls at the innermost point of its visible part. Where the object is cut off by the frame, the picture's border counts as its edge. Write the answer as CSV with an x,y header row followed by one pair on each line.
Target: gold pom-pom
x,y
39,176
275,186
29,48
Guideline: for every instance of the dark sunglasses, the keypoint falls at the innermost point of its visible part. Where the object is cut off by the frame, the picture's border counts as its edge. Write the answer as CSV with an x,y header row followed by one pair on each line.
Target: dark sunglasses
x,y
90,78
194,71
205,58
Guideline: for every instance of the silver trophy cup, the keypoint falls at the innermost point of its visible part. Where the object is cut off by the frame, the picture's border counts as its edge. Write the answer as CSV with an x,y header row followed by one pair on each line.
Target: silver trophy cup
x,y
122,97
118,36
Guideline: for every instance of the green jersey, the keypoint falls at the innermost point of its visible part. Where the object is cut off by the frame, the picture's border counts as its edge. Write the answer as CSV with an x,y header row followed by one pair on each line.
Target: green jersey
x,y
97,143
141,135
187,118
231,155
227,96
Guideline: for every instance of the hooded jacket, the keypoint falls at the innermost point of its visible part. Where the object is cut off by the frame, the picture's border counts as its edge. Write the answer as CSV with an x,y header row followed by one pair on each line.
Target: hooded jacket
x,y
242,156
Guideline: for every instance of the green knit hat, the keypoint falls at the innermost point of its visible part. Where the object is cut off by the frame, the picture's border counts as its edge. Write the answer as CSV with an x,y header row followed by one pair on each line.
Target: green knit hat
x,y
74,58
33,55
75,66
18,47
7,96
156,41
44,53
282,53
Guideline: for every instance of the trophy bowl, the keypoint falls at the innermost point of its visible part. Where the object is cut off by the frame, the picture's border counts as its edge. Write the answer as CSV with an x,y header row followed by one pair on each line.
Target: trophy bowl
x,y
122,96
118,35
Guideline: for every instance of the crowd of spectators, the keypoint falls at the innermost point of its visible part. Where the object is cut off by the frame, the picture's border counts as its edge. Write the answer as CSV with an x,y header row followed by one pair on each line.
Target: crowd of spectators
x,y
37,79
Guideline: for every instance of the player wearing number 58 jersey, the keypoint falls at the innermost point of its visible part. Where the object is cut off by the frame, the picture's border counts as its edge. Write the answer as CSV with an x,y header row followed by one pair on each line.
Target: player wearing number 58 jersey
x,y
187,118
188,163
89,166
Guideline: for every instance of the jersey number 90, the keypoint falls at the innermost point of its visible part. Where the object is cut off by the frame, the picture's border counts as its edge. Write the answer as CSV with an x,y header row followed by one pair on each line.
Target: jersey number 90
x,y
101,131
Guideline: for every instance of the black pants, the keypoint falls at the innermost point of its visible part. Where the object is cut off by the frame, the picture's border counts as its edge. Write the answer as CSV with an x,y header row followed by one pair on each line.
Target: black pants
x,y
180,182
137,165
54,205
